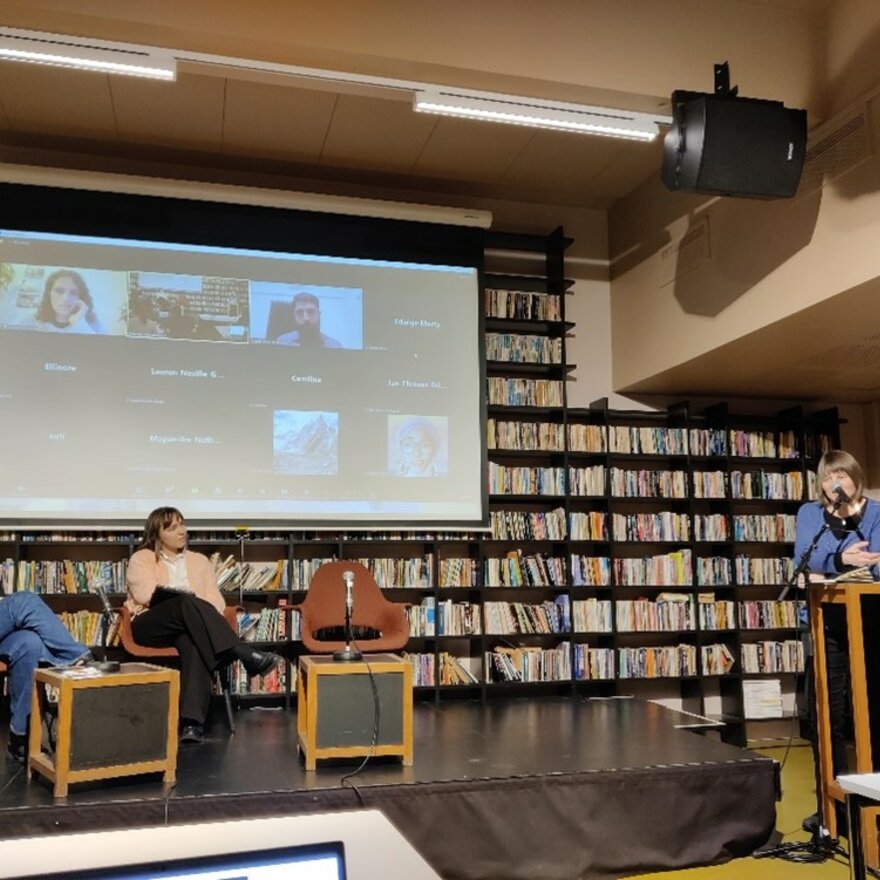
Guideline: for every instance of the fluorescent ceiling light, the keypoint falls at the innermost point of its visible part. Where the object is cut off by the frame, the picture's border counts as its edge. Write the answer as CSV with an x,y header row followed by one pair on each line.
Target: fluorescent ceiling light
x,y
540,114
85,53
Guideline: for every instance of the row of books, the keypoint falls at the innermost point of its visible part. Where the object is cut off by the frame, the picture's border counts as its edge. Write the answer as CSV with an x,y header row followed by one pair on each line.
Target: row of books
x,y
504,480
55,576
269,624
460,572
525,392
663,615
517,348
444,618
87,627
522,305
785,656
521,570
541,570
589,525
703,442
665,569
647,483
452,671
509,618
711,527
588,481
756,614
274,683
769,486
250,577
529,664
525,436
778,527
716,659
663,525
528,525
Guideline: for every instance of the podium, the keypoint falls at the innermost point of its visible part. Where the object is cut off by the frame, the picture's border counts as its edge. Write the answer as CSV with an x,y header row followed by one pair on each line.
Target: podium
x,y
852,597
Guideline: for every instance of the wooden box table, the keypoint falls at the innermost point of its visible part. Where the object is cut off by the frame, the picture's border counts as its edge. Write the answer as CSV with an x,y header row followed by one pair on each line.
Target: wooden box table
x,y
109,725
335,707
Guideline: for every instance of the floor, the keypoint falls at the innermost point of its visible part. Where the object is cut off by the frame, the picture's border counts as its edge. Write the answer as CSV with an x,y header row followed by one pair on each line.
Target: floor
x,y
798,801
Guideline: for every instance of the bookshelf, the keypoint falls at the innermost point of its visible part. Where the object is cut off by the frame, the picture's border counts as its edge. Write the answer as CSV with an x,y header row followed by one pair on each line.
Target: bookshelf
x,y
627,552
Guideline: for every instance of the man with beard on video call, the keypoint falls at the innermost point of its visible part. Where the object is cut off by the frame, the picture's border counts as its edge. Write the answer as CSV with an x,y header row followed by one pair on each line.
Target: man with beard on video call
x,y
307,325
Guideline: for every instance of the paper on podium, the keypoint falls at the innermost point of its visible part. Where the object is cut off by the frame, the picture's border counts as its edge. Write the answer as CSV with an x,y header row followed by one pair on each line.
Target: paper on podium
x,y
862,575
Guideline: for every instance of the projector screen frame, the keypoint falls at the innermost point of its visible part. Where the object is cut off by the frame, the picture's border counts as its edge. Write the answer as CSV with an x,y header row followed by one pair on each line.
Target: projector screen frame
x,y
35,209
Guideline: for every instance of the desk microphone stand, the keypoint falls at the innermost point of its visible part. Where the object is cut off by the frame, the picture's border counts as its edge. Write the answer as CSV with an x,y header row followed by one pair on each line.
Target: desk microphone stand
x,y
242,532
348,654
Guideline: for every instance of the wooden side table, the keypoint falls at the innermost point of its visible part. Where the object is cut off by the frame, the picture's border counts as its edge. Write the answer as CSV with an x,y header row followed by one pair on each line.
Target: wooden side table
x,y
335,708
114,724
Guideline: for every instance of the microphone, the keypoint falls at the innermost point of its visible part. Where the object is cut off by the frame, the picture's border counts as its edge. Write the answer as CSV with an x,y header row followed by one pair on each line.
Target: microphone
x,y
108,610
840,497
348,653
348,578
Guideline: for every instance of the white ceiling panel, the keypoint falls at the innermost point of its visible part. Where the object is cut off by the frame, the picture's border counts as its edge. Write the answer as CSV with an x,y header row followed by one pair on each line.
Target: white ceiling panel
x,y
52,101
187,114
477,152
375,134
276,122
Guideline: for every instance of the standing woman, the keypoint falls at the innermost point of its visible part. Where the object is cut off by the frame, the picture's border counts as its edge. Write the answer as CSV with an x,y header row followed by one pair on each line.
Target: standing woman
x,y
175,602
848,528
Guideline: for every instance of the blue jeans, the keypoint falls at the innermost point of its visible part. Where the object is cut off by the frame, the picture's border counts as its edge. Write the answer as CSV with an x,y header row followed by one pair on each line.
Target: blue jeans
x,y
31,634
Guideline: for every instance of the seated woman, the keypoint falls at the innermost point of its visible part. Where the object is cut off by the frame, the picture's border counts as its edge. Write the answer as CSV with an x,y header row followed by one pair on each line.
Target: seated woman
x,y
67,305
175,602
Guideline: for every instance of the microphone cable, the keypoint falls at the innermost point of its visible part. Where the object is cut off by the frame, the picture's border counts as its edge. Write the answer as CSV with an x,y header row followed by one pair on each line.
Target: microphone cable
x,y
345,780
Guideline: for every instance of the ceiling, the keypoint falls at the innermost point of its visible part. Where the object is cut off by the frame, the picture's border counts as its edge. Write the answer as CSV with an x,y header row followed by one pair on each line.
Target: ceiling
x,y
238,125
227,121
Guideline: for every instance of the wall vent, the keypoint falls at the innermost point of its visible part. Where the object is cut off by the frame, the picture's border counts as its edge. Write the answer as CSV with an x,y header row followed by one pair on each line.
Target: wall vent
x,y
835,147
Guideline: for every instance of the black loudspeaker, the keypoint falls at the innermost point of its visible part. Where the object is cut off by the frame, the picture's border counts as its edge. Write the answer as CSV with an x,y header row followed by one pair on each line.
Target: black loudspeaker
x,y
734,146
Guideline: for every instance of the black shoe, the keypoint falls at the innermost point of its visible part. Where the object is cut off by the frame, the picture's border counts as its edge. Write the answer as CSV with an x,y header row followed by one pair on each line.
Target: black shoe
x,y
257,662
82,660
16,748
192,733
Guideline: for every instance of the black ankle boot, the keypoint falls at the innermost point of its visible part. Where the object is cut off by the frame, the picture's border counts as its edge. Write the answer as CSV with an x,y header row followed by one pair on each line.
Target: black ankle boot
x,y
17,746
255,662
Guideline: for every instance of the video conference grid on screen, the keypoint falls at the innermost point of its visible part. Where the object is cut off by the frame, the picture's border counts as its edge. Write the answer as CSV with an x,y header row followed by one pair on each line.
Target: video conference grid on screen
x,y
234,383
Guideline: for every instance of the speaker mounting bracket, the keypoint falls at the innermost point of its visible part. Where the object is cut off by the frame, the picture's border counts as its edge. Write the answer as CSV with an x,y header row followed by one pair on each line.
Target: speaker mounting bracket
x,y
722,82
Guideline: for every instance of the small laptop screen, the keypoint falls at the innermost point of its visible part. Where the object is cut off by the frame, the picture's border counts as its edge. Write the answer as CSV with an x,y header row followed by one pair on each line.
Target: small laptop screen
x,y
323,861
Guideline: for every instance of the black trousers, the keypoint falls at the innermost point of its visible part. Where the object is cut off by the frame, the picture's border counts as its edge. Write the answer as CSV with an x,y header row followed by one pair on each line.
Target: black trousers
x,y
203,639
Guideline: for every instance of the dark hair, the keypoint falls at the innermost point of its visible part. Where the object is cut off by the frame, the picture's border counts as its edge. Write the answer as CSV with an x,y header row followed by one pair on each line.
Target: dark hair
x,y
159,519
305,296
46,313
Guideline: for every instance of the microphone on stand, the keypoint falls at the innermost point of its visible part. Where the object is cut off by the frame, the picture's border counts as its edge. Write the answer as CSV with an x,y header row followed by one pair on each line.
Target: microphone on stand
x,y
348,653
840,497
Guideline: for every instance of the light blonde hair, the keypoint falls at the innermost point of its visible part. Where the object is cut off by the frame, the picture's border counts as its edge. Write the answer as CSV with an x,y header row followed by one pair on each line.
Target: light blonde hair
x,y
837,460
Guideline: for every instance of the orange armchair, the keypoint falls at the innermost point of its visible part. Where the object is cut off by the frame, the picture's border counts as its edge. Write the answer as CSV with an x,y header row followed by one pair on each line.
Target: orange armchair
x,y
324,608
143,652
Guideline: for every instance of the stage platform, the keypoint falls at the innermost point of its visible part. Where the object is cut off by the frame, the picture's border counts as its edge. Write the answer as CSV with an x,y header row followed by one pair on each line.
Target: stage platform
x,y
520,789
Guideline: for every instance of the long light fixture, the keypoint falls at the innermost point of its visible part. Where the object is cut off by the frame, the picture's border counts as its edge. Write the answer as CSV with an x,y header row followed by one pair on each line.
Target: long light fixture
x,y
84,53
540,114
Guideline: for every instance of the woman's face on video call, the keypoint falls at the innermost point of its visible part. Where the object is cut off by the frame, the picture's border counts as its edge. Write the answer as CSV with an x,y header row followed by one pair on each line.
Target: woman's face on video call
x,y
64,296
417,448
